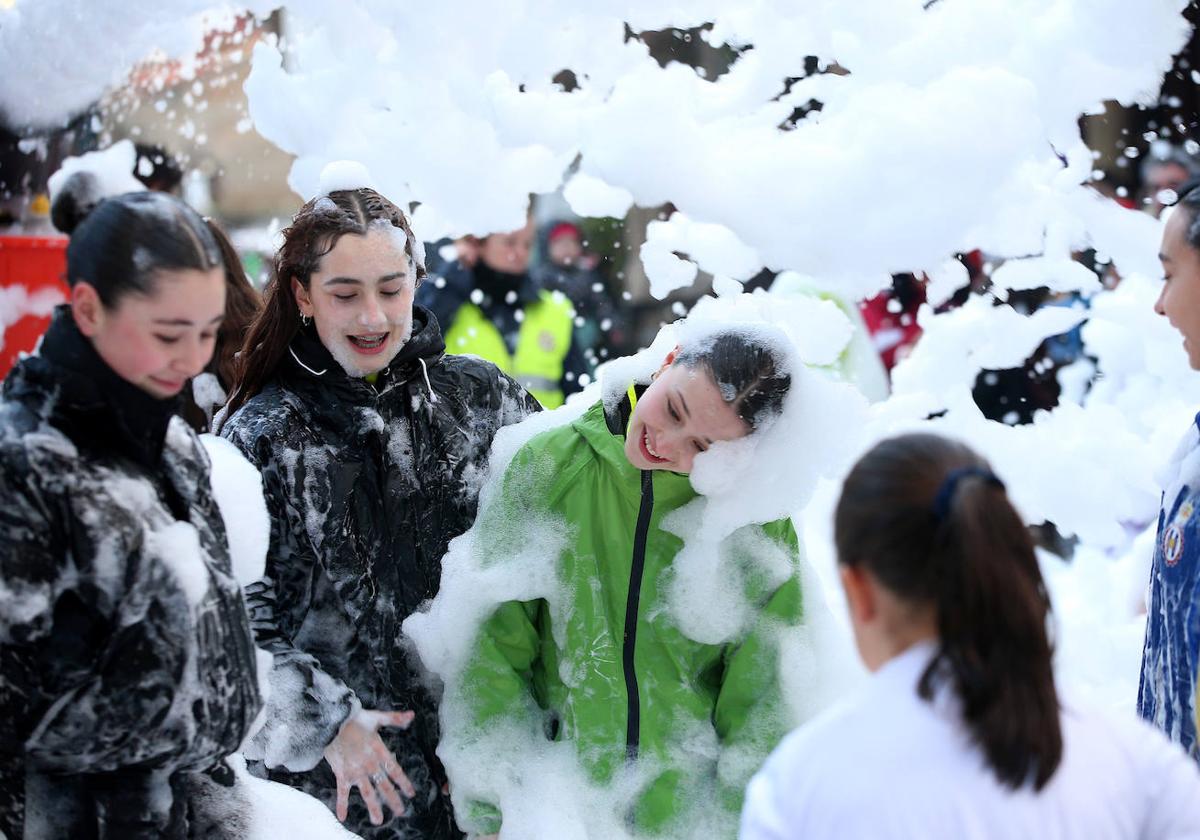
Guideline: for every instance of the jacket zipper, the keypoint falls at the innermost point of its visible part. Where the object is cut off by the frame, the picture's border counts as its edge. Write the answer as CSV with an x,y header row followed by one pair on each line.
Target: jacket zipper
x,y
633,726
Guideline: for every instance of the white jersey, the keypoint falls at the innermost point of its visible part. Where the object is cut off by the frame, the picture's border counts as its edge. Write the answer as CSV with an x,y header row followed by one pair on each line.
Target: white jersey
x,y
888,765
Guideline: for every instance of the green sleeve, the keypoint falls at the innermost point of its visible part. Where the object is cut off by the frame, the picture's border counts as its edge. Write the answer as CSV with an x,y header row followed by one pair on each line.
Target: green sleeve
x,y
750,715
498,682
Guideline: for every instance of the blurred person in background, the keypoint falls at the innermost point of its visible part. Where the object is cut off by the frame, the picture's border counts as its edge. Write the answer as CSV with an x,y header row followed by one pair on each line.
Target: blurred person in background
x,y
1164,169
569,268
490,306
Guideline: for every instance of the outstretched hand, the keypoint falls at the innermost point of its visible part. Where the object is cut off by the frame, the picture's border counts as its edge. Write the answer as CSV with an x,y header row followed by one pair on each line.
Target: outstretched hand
x,y
359,759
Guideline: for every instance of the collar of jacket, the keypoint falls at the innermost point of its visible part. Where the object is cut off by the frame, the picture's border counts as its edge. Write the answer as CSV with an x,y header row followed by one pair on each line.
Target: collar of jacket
x,y
94,406
311,361
617,416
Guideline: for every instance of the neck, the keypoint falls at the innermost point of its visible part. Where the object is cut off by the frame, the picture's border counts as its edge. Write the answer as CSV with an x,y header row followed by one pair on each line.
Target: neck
x,y
136,422
898,629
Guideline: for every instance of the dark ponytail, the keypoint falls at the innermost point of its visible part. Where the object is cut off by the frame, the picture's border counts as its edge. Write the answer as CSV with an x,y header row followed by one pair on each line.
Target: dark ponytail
x,y
927,518
119,244
314,232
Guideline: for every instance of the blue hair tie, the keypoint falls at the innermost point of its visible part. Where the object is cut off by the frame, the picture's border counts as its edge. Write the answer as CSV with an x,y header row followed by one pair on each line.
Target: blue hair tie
x,y
949,486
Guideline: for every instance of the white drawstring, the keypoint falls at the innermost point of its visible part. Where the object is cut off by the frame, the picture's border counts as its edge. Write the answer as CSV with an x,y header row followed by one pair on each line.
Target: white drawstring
x,y
306,367
425,370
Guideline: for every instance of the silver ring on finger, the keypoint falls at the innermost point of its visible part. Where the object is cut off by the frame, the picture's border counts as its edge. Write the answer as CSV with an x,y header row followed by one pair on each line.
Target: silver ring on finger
x,y
377,777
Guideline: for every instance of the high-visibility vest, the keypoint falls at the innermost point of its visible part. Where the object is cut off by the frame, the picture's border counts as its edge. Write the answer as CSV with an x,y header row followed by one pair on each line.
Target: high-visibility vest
x,y
542,344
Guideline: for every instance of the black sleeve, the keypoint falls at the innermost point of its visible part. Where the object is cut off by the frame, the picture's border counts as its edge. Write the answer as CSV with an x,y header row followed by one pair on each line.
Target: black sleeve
x,y
306,705
76,692
31,561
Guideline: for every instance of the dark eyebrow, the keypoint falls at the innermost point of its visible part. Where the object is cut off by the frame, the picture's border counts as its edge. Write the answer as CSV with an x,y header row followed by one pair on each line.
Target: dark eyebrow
x,y
354,281
184,322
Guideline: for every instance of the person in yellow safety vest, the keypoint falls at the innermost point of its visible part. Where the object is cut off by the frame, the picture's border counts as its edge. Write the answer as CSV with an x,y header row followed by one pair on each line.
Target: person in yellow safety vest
x,y
489,306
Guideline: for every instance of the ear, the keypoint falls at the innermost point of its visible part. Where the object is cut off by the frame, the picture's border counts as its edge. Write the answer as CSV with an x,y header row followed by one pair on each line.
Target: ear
x,y
87,308
303,301
667,362
861,597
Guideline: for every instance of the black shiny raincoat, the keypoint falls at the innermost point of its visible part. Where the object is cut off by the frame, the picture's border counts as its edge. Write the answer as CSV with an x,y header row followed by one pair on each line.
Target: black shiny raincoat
x,y
366,484
127,669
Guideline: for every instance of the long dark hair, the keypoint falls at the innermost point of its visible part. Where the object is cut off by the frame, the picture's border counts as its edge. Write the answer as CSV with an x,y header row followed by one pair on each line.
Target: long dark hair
x,y
242,305
314,232
927,518
746,370
119,244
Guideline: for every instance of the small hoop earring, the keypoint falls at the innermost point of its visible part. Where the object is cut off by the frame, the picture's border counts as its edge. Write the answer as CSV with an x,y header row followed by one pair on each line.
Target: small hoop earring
x,y
305,320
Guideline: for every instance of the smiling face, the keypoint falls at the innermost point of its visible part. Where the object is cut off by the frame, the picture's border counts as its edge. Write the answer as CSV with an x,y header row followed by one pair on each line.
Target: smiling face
x,y
1179,299
157,341
361,299
679,416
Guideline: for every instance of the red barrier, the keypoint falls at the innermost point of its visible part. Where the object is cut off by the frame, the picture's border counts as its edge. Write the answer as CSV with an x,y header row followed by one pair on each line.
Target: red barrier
x,y
31,284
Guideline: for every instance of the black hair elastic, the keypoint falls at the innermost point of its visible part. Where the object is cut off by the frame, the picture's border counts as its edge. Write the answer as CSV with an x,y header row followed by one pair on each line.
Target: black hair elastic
x,y
945,493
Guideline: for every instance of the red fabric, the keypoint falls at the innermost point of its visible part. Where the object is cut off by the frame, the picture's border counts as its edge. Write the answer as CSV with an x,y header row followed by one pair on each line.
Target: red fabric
x,y
892,333
39,264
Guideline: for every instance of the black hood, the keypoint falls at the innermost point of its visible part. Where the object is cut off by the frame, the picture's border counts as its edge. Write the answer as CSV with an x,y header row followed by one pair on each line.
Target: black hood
x,y
87,400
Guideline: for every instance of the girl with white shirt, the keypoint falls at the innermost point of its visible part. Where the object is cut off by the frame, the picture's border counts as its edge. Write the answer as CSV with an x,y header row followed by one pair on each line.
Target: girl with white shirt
x,y
960,733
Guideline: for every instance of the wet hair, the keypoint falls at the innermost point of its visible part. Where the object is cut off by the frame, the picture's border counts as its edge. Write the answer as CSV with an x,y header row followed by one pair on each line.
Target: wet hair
x,y
746,370
313,233
242,304
119,244
1189,202
930,521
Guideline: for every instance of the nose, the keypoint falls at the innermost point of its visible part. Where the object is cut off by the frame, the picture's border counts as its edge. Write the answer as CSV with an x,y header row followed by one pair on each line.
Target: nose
x,y
372,314
1158,304
194,358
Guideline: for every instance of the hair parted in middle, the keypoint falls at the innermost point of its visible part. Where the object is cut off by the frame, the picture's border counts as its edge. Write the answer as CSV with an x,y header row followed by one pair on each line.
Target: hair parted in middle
x,y
313,233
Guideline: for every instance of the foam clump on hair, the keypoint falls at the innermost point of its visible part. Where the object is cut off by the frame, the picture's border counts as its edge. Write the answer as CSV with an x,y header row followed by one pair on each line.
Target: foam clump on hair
x,y
400,239
111,170
344,175
325,205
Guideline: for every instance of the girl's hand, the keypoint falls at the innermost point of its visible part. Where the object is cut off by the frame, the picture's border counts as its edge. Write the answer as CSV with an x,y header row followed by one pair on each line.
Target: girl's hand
x,y
360,760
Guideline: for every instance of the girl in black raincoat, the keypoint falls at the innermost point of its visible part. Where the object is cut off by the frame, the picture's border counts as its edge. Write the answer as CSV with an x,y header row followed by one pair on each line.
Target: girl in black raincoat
x,y
371,442
126,658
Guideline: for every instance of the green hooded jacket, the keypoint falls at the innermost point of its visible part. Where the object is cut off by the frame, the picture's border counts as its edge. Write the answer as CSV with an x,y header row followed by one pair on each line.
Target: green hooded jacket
x,y
639,690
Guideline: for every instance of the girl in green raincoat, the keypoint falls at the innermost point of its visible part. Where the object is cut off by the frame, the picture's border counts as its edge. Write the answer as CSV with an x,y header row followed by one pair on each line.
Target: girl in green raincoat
x,y
611,670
